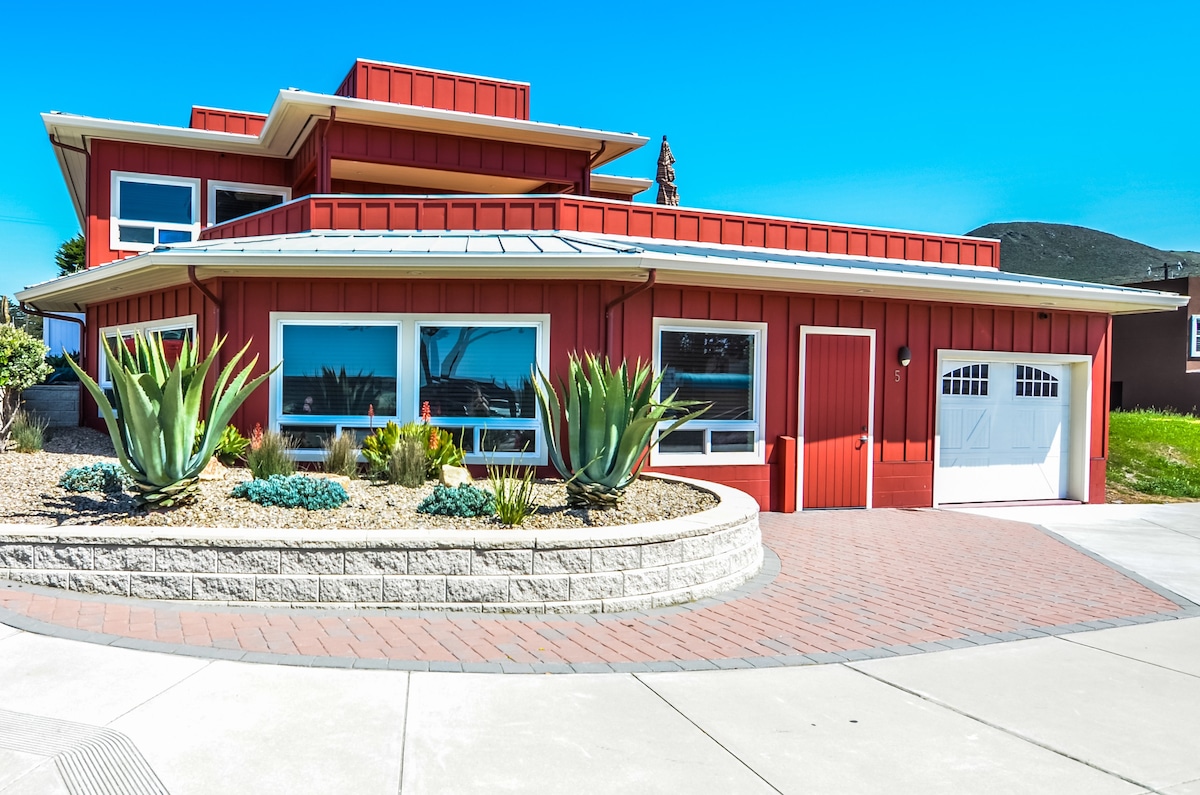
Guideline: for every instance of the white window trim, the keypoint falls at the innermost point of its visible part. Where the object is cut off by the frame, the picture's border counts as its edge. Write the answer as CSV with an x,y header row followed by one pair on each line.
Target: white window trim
x,y
408,364
1194,337
144,328
758,425
114,231
216,185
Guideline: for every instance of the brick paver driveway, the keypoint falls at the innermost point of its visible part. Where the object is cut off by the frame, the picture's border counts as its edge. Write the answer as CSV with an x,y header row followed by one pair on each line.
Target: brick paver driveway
x,y
839,585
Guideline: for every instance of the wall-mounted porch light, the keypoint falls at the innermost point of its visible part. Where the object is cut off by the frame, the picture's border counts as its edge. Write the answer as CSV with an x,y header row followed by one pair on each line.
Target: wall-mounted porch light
x,y
904,355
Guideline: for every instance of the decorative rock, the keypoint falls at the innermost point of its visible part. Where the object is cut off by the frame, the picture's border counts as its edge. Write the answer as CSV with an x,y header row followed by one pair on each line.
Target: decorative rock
x,y
343,480
453,477
214,471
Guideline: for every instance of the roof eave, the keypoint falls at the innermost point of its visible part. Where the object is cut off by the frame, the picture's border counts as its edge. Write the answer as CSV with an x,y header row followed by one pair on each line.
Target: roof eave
x,y
156,270
910,285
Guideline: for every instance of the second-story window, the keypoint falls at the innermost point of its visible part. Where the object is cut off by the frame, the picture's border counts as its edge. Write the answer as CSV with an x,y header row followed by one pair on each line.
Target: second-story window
x,y
150,210
229,200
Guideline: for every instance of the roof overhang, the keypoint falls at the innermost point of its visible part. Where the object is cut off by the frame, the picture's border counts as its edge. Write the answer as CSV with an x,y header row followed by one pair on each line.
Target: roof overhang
x,y
294,112
610,183
560,255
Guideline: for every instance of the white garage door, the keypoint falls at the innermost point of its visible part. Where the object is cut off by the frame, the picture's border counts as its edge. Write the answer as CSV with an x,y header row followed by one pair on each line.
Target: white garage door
x,y
1003,431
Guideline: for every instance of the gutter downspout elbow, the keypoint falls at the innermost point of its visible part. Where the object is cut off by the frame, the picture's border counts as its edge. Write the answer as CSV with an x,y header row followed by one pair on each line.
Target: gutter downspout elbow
x,y
651,278
209,294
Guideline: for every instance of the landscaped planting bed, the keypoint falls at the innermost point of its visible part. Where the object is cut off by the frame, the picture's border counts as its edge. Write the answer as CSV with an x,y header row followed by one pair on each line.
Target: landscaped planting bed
x,y
29,493
668,542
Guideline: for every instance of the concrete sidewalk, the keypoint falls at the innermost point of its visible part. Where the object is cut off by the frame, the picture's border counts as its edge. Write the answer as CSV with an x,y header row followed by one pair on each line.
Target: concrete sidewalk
x,y
1089,712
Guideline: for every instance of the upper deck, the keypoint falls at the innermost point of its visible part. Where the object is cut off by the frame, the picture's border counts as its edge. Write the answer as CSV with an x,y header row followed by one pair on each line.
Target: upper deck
x,y
581,214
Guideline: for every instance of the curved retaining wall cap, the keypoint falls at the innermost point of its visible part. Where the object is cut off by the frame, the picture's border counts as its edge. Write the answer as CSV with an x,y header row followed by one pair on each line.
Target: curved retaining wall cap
x,y
595,569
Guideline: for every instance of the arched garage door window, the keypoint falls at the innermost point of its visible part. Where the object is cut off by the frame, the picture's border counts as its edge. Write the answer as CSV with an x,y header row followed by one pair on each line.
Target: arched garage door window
x,y
970,379
1032,382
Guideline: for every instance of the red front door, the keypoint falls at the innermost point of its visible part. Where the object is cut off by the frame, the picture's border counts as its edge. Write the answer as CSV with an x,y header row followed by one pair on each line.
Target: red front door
x,y
837,414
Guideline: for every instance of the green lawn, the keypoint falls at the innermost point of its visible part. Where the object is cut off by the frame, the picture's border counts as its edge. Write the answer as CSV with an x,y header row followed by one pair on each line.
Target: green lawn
x,y
1153,454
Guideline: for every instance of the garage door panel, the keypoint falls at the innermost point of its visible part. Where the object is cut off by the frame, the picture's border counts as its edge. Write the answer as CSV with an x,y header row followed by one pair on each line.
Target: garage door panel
x,y
967,429
1004,438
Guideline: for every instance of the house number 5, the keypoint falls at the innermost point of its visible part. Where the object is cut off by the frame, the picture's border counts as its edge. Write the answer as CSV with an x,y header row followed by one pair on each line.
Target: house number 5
x,y
897,375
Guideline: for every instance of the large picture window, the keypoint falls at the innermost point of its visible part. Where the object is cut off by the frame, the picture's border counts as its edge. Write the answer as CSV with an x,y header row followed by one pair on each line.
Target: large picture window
x,y
150,210
721,366
339,371
473,371
477,380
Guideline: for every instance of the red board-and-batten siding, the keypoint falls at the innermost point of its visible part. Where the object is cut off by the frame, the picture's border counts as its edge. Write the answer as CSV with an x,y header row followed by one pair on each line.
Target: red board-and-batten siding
x,y
569,213
903,410
110,156
403,85
407,85
230,121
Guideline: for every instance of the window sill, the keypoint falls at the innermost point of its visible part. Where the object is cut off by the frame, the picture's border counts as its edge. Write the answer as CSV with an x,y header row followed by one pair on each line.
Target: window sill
x,y
706,459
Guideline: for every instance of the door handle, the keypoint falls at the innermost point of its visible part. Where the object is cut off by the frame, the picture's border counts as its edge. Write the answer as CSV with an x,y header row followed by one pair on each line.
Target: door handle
x,y
863,438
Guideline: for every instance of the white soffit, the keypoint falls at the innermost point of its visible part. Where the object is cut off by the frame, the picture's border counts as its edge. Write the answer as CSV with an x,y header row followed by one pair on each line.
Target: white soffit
x,y
610,183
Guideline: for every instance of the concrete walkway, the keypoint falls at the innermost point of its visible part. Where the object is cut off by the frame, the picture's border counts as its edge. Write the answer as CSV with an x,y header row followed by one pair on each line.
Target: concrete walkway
x,y
1112,710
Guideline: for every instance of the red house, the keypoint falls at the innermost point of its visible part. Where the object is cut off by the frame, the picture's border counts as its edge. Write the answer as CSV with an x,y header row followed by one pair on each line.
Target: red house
x,y
415,237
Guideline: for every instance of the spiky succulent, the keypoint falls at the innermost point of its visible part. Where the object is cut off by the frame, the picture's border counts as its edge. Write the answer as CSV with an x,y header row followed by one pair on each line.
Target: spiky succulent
x,y
156,407
610,417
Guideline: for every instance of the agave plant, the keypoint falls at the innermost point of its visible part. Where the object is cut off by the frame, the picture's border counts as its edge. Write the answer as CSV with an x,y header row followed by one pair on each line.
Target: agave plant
x,y
155,411
610,416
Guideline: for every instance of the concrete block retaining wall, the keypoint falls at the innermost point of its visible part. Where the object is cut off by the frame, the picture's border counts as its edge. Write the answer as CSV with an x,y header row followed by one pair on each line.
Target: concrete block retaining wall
x,y
58,404
606,569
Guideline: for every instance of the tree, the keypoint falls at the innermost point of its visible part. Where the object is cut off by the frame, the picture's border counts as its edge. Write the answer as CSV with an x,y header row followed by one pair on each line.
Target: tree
x,y
22,364
69,256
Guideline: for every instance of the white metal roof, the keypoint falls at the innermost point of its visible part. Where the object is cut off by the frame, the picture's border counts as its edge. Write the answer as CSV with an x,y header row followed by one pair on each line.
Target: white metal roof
x,y
574,255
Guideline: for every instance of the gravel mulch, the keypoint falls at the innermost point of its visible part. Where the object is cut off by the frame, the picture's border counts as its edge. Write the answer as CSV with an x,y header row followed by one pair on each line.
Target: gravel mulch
x,y
30,494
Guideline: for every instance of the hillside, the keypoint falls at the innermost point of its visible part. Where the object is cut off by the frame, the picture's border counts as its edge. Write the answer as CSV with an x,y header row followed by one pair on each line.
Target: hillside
x,y
1075,252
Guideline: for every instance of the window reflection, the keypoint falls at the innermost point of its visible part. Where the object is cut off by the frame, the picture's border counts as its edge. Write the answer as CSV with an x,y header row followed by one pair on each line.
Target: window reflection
x,y
339,371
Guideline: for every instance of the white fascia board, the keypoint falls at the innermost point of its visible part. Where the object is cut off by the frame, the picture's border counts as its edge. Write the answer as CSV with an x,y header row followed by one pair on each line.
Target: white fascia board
x,y
473,125
187,137
848,279
580,138
106,282
84,278
637,184
954,288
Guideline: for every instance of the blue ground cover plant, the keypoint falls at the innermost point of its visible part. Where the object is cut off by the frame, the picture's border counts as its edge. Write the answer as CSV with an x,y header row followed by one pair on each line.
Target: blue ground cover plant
x,y
105,477
293,491
465,500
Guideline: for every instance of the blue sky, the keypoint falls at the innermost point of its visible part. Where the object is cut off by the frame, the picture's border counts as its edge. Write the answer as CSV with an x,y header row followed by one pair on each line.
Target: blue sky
x,y
941,117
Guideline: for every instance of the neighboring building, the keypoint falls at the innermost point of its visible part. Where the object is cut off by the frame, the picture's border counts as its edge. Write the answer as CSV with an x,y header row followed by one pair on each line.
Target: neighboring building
x,y
62,336
1156,358
414,237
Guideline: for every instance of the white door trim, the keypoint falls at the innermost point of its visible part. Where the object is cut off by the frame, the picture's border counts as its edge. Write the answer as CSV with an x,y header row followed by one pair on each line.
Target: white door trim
x,y
805,331
1080,433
